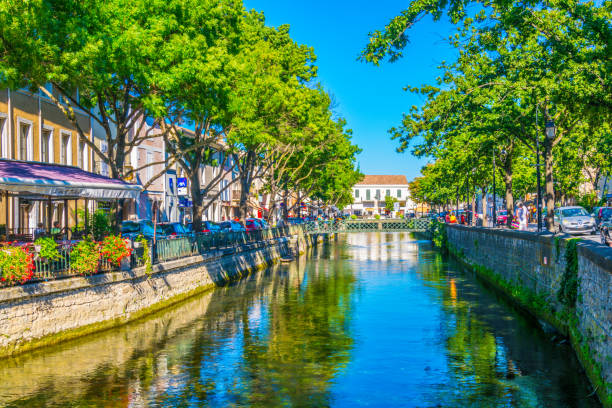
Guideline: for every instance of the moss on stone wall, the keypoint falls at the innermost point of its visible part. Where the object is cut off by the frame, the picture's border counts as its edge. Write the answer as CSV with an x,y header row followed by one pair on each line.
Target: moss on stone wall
x,y
538,305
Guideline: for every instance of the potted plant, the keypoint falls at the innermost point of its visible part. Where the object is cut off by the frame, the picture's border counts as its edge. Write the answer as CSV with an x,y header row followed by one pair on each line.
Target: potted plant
x,y
46,249
116,250
16,264
85,256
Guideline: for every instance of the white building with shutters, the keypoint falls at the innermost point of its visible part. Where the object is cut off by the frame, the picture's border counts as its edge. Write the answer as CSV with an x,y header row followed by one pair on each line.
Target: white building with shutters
x,y
369,195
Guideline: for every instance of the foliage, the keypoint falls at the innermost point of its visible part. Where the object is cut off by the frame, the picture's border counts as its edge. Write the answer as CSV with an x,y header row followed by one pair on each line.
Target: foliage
x,y
389,201
588,201
146,254
353,217
100,224
85,256
568,292
16,264
519,65
438,235
48,248
114,249
377,216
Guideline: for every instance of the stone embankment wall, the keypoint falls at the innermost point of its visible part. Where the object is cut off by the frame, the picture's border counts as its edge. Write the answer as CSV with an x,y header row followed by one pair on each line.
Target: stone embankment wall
x,y
38,314
563,282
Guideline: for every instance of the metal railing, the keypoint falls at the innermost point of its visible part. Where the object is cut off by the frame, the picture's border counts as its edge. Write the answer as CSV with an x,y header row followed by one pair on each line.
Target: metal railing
x,y
164,250
389,225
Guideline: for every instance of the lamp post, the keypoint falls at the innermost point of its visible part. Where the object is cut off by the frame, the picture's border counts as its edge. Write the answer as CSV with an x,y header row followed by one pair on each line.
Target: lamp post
x,y
539,198
550,135
494,217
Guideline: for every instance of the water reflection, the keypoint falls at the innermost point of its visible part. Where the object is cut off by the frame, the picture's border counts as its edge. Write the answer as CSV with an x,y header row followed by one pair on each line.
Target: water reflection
x,y
376,319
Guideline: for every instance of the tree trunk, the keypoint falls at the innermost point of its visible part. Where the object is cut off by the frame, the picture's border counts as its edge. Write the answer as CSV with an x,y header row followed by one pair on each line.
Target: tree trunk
x,y
507,174
197,199
484,204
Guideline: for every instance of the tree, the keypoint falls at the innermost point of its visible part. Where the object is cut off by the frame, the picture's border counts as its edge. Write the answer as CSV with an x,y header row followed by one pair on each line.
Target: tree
x,y
389,203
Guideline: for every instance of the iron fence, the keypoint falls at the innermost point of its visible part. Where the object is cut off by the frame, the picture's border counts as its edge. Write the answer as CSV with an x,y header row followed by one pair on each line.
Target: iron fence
x,y
164,250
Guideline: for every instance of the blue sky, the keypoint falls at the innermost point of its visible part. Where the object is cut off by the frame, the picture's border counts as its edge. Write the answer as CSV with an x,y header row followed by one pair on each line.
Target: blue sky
x,y
370,98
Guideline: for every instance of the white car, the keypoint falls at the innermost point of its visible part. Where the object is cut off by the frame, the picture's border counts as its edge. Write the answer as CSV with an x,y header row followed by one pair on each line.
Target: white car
x,y
574,220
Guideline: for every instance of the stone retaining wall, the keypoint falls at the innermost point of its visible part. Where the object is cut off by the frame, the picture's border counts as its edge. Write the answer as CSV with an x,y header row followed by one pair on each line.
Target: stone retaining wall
x,y
530,268
34,315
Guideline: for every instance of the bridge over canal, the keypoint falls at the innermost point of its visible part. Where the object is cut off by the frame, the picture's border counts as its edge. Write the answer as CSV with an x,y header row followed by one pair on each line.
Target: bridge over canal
x,y
383,225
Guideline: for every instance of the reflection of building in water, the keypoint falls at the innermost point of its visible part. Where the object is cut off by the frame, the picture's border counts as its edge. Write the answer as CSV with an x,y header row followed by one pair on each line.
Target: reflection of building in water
x,y
382,246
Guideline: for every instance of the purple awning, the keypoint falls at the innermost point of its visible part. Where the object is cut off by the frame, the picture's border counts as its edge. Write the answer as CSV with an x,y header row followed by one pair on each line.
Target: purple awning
x,y
61,181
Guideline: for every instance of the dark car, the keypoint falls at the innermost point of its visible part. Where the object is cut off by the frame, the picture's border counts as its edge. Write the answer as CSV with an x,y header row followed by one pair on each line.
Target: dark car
x,y
605,232
602,213
232,226
132,229
252,225
207,226
173,229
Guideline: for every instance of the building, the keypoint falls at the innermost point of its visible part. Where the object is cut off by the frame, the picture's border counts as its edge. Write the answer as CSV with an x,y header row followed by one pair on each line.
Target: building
x,y
369,195
47,167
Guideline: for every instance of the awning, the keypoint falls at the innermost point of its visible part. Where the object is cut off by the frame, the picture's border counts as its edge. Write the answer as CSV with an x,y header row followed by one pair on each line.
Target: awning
x,y
55,180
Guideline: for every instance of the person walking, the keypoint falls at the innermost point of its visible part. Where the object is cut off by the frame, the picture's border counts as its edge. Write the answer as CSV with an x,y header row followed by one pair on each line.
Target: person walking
x,y
521,214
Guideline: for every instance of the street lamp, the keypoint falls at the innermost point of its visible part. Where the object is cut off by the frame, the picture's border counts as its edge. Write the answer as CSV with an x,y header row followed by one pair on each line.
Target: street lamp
x,y
494,217
551,130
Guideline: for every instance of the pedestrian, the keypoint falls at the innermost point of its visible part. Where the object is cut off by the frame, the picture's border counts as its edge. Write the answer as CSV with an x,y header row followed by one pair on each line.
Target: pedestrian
x,y
40,231
462,219
447,218
521,214
453,218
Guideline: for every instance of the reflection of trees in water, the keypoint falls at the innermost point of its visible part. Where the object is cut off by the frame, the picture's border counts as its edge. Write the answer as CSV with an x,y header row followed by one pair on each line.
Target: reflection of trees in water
x,y
496,356
305,343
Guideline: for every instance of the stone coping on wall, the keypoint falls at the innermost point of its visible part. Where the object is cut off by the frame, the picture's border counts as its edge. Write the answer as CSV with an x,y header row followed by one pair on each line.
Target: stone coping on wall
x,y
33,290
595,252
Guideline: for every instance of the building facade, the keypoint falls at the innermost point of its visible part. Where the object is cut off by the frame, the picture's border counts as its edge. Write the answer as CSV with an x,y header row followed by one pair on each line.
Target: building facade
x,y
33,129
369,196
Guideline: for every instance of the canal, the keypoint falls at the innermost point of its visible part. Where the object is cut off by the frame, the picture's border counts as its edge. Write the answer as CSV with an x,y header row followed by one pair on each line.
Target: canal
x,y
373,320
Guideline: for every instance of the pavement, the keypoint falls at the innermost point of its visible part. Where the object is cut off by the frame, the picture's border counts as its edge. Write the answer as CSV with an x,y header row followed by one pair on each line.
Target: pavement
x,y
596,237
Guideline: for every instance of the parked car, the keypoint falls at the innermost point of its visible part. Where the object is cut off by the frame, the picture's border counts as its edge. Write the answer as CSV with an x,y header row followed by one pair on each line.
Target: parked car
x,y
252,225
132,229
574,220
207,226
262,223
174,229
232,226
502,217
602,213
605,231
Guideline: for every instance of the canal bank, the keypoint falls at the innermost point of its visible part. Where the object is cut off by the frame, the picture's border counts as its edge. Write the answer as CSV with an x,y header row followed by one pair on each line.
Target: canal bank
x,y
372,319
561,281
45,313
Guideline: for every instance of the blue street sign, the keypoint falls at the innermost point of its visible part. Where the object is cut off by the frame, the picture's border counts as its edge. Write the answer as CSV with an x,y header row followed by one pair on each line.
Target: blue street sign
x,y
171,185
181,186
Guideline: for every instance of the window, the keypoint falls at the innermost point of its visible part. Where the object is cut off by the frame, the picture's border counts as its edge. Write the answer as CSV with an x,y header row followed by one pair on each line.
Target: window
x,y
149,168
356,193
45,146
24,133
377,194
388,193
399,193
65,149
3,145
367,194
81,156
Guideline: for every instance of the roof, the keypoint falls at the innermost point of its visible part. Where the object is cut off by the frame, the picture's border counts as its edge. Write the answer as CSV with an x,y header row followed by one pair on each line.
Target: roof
x,y
57,180
381,180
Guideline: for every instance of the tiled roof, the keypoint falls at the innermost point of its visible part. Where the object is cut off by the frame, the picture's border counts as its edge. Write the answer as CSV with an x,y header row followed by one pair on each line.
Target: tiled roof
x,y
376,180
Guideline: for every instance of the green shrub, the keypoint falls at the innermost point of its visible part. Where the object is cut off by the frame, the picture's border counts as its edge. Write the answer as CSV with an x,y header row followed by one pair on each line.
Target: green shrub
x,y
48,249
85,256
353,217
377,216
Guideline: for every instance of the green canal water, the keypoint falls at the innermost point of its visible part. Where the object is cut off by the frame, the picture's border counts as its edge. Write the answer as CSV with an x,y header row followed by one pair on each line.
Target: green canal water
x,y
373,320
